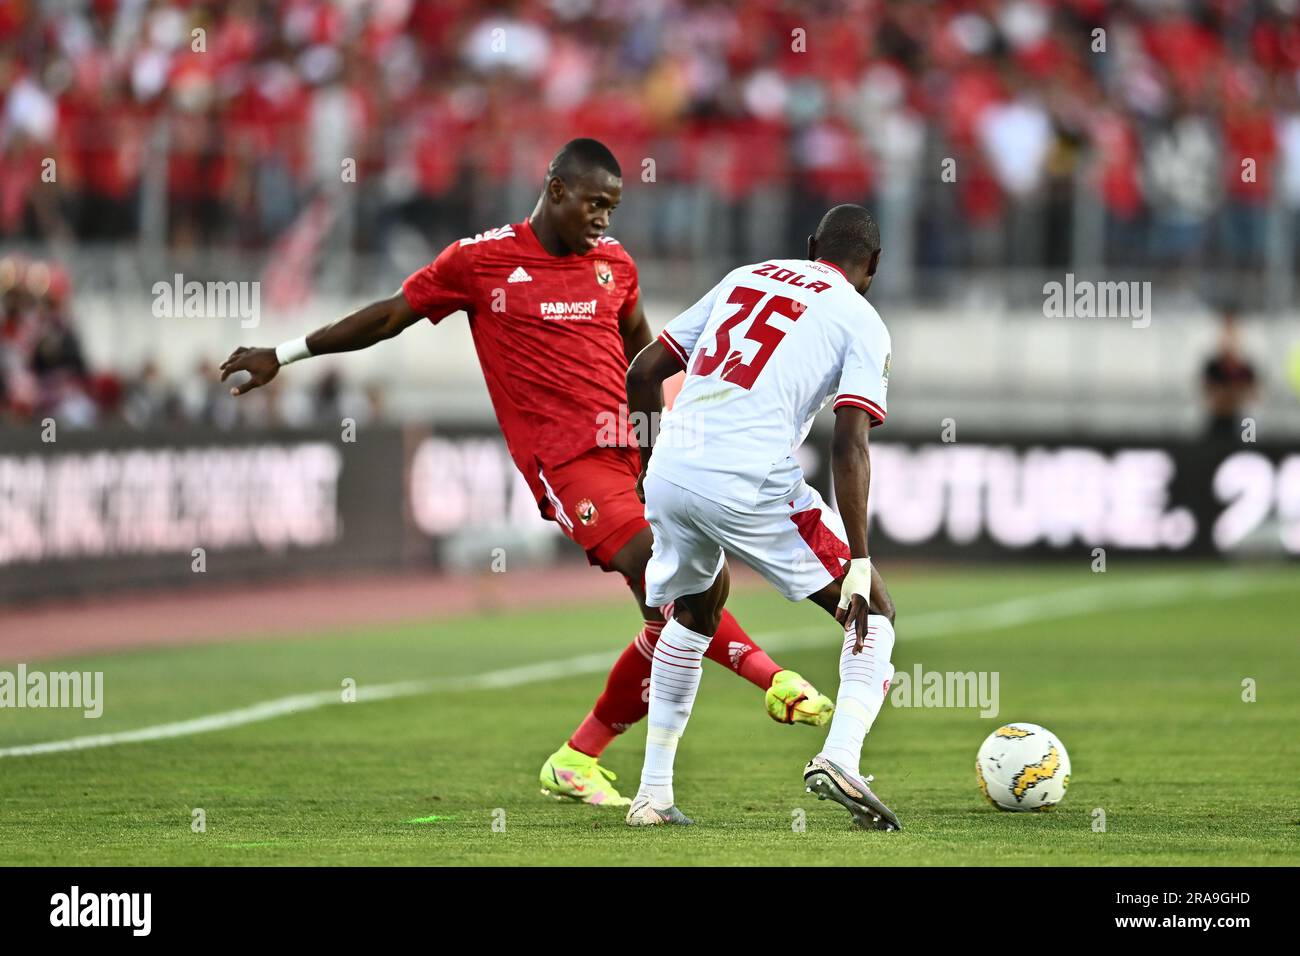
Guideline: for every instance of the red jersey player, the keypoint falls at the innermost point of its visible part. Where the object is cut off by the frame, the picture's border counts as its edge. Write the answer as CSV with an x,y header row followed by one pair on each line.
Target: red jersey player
x,y
555,312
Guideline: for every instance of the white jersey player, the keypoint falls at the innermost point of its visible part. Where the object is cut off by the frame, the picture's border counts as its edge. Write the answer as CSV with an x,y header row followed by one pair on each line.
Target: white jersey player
x,y
764,351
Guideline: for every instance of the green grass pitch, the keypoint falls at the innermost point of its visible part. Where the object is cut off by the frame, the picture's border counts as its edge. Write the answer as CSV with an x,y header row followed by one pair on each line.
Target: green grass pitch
x,y
1139,671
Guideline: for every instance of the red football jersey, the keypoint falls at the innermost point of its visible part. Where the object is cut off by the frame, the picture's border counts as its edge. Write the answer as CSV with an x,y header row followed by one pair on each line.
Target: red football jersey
x,y
546,329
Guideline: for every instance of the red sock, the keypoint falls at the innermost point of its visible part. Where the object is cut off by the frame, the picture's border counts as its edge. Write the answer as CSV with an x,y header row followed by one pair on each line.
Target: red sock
x,y
625,698
735,650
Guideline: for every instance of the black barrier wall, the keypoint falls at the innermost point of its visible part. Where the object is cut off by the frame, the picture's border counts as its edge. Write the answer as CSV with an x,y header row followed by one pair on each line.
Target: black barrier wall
x,y
106,510
100,511
995,500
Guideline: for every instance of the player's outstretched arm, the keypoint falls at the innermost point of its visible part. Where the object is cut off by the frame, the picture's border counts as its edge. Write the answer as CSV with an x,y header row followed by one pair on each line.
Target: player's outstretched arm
x,y
851,471
359,330
645,395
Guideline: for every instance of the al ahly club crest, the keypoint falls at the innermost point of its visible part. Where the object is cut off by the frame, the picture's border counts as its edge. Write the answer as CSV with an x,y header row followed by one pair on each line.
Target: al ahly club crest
x,y
604,274
586,511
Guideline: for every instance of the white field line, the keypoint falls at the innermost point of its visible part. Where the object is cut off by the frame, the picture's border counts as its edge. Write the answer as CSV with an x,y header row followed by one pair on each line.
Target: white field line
x,y
1017,611
1053,605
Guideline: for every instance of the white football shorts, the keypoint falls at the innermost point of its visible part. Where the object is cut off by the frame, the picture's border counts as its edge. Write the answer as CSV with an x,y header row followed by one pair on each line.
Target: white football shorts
x,y
797,543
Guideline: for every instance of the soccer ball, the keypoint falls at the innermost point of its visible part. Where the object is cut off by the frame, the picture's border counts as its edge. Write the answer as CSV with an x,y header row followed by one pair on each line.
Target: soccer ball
x,y
1023,767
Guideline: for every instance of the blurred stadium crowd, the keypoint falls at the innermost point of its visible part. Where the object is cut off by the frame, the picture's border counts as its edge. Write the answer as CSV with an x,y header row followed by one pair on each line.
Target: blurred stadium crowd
x,y
190,126
44,373
443,104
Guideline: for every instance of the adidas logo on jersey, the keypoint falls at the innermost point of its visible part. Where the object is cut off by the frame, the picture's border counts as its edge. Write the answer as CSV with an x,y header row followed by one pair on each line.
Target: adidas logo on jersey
x,y
519,275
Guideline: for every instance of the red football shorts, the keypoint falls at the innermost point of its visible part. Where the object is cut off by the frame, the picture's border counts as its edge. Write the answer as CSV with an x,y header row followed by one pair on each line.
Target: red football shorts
x,y
593,499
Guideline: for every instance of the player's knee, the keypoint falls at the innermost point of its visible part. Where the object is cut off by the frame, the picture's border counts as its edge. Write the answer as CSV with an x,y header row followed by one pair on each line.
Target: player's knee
x,y
700,619
828,598
711,622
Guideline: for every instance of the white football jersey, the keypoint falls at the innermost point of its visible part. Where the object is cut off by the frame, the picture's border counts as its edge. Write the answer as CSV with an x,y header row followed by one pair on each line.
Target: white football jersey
x,y
764,351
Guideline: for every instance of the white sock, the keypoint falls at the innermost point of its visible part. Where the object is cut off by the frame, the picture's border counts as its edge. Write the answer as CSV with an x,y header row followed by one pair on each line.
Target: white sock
x,y
863,680
674,680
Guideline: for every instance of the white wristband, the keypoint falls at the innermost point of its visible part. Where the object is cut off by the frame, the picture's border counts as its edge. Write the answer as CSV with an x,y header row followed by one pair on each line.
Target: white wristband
x,y
292,351
857,580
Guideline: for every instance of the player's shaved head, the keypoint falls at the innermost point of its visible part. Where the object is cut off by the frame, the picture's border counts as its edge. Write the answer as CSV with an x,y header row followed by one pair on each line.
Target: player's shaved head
x,y
847,234
579,157
583,187
848,237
